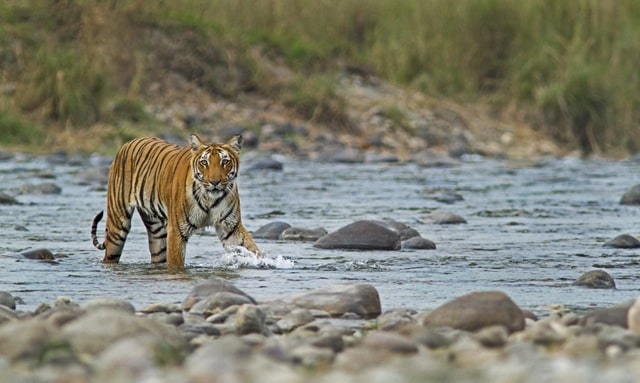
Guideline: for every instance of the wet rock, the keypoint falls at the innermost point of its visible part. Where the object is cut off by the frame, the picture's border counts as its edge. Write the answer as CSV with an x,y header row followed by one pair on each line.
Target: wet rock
x,y
193,330
249,319
476,310
418,243
596,279
408,233
39,254
43,188
360,299
6,199
631,196
615,315
264,164
623,241
361,235
445,218
7,300
302,234
127,360
211,287
272,230
97,330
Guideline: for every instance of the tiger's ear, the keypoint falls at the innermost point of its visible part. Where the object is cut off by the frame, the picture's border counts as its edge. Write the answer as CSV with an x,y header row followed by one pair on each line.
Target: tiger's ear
x,y
235,143
195,141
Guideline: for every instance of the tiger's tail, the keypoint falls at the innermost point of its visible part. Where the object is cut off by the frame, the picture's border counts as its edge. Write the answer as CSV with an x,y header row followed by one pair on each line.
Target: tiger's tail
x,y
94,228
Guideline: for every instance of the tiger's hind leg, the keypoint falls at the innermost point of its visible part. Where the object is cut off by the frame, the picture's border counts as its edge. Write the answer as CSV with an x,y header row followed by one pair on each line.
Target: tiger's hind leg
x,y
157,235
118,226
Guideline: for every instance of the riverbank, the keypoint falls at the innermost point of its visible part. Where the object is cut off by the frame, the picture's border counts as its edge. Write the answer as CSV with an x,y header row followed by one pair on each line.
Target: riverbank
x,y
331,334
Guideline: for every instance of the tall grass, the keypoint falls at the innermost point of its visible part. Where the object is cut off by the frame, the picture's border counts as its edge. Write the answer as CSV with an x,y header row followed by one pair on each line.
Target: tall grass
x,y
570,67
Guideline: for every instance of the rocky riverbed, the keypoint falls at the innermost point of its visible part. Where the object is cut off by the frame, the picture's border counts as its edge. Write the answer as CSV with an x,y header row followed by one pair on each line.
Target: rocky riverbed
x,y
332,334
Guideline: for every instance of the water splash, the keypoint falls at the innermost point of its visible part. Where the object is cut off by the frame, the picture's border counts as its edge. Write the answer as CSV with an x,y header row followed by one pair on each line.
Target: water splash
x,y
239,257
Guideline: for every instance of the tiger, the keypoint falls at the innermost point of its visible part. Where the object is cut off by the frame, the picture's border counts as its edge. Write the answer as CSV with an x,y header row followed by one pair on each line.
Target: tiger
x,y
176,191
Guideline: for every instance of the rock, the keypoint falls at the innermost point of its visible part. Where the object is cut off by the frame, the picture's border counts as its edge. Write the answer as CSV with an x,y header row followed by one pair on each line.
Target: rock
x,y
408,233
39,254
633,317
361,235
631,196
343,156
161,308
7,314
218,302
7,300
395,319
445,218
211,287
623,241
492,336
24,339
360,299
418,243
6,199
43,188
97,330
436,337
272,230
596,279
302,234
615,315
388,341
476,310
294,319
218,360
249,319
264,164
110,304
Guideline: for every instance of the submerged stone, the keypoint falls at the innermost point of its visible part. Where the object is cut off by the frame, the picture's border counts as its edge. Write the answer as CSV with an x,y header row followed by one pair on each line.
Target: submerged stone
x,y
596,279
623,241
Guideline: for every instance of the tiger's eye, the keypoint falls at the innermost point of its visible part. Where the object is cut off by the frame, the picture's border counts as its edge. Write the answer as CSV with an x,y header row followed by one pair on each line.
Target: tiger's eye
x,y
203,162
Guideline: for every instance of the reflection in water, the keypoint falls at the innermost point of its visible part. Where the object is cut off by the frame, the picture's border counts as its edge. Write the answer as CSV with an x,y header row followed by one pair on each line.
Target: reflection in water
x,y
531,232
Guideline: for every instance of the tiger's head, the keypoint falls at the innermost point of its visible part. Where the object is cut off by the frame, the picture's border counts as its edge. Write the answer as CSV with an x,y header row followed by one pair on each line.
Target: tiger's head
x,y
215,166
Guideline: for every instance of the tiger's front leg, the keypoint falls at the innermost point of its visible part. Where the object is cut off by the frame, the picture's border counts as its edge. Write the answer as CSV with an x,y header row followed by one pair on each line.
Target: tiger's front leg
x,y
176,246
237,236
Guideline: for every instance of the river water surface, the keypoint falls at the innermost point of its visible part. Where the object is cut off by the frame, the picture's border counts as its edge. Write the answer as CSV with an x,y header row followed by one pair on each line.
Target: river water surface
x,y
531,231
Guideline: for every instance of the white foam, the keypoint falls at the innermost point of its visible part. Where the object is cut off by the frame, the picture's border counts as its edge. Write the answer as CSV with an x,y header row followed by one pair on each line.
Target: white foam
x,y
239,257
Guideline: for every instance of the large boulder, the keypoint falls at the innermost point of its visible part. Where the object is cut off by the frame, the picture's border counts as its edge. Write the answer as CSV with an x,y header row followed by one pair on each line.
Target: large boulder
x,y
615,315
477,310
623,241
361,235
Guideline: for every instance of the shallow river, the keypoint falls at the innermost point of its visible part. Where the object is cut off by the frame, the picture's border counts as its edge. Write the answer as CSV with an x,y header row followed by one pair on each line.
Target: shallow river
x,y
531,231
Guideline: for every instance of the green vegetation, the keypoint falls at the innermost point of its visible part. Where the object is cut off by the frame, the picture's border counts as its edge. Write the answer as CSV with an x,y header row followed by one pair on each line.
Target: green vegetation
x,y
567,67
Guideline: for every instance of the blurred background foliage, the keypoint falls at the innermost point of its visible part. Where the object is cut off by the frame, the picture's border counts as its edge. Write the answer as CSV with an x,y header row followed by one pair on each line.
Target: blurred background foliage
x,y
568,68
